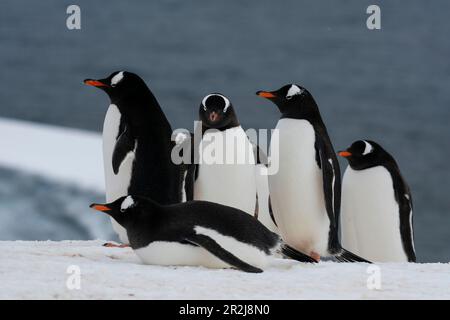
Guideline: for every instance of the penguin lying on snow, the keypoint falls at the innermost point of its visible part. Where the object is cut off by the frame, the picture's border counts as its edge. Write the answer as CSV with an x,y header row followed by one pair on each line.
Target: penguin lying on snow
x,y
305,193
136,144
377,221
195,233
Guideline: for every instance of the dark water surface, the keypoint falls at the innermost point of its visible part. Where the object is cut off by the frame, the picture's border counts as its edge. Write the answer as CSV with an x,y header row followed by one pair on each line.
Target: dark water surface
x,y
389,85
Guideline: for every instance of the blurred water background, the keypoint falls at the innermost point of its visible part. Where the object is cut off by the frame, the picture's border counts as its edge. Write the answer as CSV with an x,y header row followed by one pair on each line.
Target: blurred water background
x,y
389,85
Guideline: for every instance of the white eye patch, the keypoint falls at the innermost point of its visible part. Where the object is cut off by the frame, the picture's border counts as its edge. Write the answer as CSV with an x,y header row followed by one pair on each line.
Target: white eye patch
x,y
293,91
225,99
116,79
368,149
127,203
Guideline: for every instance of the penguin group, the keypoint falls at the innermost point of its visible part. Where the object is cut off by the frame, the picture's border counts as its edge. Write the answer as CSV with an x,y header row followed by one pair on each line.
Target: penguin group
x,y
235,213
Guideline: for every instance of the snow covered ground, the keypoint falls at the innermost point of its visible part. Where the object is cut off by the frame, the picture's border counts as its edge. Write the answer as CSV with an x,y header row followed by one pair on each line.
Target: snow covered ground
x,y
39,270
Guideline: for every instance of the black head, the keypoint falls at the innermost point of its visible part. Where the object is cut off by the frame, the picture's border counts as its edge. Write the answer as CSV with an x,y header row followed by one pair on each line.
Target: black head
x,y
125,210
292,100
119,85
364,154
217,112
132,96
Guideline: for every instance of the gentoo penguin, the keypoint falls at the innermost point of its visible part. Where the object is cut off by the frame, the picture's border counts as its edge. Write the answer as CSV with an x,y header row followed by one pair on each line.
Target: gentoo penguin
x,y
195,233
226,170
377,221
305,192
136,143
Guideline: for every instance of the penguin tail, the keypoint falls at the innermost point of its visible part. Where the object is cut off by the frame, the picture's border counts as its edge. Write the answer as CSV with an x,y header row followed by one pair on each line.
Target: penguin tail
x,y
346,256
289,252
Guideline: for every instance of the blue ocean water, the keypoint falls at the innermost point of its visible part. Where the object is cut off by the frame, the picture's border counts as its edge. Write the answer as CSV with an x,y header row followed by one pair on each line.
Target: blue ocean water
x,y
389,85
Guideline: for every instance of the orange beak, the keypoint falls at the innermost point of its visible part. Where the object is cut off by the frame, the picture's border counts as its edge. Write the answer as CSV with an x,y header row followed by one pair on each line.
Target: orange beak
x,y
94,83
266,94
99,207
344,154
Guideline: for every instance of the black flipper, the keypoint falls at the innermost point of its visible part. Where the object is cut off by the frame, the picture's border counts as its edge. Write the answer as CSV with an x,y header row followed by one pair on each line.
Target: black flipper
x,y
192,172
125,144
328,163
291,253
347,256
404,200
213,247
271,212
189,181
256,214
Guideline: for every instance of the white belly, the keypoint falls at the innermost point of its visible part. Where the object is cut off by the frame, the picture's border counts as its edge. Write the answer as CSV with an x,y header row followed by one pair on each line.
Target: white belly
x,y
296,190
116,186
227,175
262,188
178,254
174,253
370,219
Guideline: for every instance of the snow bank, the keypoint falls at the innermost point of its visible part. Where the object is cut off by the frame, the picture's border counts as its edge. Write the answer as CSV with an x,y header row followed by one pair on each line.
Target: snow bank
x,y
38,270
66,155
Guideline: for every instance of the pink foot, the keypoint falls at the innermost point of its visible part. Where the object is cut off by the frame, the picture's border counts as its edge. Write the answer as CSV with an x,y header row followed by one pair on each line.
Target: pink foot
x,y
113,245
315,256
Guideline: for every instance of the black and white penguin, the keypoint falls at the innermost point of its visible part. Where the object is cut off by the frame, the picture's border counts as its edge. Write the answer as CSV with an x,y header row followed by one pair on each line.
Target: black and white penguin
x,y
195,233
305,192
377,219
226,169
136,144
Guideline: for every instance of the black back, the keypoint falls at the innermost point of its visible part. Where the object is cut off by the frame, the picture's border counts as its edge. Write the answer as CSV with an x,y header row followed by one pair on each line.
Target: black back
x,y
143,121
365,154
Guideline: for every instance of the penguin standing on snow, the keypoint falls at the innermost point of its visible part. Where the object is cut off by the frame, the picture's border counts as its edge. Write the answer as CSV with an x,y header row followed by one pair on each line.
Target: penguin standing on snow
x,y
226,170
305,193
195,233
377,221
136,144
